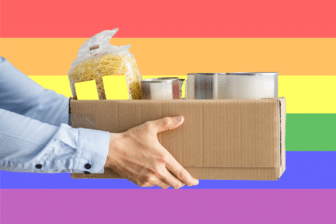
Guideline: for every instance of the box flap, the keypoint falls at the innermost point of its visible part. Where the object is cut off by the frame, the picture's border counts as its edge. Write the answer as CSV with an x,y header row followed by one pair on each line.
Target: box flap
x,y
216,133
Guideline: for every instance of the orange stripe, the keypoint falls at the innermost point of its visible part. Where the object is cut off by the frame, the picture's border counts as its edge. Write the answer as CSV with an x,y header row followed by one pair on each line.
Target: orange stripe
x,y
179,56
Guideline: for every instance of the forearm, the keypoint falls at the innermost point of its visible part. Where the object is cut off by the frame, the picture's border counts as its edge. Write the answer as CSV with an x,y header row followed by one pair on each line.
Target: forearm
x,y
28,145
22,95
51,108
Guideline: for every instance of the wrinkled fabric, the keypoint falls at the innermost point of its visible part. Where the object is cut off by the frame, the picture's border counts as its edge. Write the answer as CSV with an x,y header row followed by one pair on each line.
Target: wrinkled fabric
x,y
34,131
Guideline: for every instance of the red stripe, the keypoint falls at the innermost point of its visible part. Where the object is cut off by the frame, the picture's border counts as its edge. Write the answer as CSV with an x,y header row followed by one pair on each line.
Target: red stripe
x,y
174,18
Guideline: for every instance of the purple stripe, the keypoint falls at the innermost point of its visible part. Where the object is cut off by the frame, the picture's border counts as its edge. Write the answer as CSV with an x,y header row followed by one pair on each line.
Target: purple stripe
x,y
168,206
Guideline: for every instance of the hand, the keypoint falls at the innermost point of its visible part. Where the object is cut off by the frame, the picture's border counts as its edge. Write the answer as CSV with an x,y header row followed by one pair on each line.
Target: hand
x,y
138,156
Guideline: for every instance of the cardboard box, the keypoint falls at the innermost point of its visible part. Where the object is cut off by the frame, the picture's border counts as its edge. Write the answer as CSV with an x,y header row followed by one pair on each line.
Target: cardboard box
x,y
219,139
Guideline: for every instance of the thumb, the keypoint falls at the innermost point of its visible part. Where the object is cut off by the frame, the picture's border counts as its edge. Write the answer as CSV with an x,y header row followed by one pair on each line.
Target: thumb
x,y
168,123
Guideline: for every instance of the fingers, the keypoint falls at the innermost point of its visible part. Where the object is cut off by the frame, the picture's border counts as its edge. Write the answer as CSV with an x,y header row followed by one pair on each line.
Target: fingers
x,y
149,185
162,185
182,174
162,178
171,180
160,181
167,123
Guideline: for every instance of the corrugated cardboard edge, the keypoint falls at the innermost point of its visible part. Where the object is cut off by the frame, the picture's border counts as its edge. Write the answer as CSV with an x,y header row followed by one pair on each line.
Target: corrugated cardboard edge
x,y
282,103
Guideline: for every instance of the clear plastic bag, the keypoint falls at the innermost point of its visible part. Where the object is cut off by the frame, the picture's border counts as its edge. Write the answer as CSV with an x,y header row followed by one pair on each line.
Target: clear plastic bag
x,y
97,58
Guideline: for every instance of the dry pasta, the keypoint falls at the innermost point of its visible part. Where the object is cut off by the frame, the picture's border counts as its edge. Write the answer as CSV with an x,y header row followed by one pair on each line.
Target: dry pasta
x,y
97,58
96,68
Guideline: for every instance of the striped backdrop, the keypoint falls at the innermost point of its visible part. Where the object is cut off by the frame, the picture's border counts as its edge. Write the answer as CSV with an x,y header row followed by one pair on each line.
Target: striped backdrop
x,y
173,38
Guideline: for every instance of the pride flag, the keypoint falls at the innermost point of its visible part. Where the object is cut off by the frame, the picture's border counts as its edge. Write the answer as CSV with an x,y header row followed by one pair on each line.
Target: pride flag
x,y
173,38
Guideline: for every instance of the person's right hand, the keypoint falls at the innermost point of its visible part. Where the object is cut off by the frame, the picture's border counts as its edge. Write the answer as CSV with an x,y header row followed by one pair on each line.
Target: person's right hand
x,y
138,156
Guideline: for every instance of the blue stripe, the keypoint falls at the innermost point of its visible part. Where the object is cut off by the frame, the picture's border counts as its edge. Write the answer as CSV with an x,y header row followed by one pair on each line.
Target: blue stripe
x,y
305,170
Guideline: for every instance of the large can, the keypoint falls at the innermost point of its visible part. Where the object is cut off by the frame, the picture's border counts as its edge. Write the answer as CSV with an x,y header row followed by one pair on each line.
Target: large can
x,y
181,81
160,89
239,85
251,85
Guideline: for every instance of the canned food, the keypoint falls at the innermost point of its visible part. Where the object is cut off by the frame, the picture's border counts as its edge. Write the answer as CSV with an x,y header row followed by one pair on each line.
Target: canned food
x,y
160,89
251,85
181,81
203,85
239,85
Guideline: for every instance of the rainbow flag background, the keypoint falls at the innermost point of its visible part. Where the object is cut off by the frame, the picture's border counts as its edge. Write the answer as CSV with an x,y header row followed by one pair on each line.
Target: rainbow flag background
x,y
173,38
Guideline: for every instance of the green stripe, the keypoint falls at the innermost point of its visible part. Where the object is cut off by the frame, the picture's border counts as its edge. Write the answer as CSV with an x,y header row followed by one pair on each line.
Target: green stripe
x,y
311,132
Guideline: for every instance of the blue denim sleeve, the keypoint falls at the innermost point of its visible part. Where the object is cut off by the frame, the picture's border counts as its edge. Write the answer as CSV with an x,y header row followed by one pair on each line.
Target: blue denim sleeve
x,y
34,131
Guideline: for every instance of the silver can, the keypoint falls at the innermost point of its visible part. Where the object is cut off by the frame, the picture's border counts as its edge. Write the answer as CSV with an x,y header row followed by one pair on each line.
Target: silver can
x,y
160,89
251,85
181,81
203,85
241,85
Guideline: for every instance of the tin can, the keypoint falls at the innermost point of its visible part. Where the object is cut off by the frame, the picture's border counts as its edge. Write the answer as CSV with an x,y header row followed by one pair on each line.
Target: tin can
x,y
160,89
181,81
238,85
204,85
251,85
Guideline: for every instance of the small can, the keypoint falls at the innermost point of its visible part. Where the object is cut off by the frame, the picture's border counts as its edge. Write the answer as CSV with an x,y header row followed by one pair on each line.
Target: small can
x,y
160,89
181,81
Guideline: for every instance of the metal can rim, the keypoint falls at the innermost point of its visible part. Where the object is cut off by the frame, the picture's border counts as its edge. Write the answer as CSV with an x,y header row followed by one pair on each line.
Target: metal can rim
x,y
169,78
156,80
254,73
165,78
206,74
239,73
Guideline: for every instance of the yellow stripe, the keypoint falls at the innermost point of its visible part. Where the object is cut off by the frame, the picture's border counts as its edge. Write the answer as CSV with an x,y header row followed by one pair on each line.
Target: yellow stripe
x,y
179,56
86,90
304,94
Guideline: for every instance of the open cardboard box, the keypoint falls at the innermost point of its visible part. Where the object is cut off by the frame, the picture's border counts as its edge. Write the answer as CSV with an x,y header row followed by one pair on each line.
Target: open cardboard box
x,y
219,139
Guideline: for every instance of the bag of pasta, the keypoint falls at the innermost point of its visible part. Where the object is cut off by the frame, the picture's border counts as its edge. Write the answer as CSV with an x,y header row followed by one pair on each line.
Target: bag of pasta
x,y
97,58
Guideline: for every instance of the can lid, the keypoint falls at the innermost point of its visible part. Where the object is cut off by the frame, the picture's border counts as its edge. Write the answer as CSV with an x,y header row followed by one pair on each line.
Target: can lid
x,y
166,78
206,74
254,73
